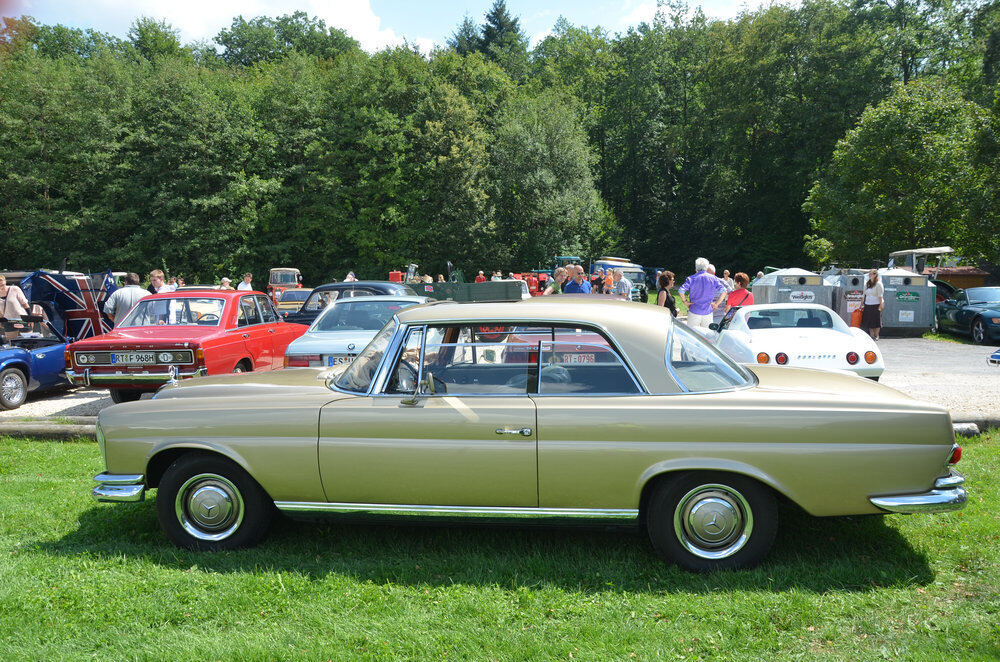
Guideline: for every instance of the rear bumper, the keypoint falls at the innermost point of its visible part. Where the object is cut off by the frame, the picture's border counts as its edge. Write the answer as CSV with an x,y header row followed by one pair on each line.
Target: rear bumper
x,y
88,378
948,494
114,488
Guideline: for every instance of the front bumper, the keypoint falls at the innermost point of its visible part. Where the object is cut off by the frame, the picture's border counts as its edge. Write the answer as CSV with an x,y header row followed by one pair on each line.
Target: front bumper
x,y
113,488
948,494
87,378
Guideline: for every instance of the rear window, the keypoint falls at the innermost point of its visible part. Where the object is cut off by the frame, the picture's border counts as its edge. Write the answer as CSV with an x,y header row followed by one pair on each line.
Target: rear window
x,y
789,318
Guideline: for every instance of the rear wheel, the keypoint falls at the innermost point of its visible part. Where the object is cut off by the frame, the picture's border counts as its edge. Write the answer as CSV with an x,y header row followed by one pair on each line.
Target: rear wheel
x,y
242,366
13,388
207,502
712,521
120,395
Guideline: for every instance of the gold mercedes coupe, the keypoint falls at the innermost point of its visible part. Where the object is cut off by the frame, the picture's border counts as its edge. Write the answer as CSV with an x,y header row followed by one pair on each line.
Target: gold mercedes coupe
x,y
554,407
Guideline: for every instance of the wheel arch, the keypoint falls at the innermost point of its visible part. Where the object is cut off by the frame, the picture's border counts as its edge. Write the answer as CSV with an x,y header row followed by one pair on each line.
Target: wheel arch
x,y
246,361
19,364
162,458
670,470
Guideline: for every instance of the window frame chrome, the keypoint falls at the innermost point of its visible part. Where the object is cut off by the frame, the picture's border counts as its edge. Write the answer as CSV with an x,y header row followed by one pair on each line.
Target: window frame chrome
x,y
751,382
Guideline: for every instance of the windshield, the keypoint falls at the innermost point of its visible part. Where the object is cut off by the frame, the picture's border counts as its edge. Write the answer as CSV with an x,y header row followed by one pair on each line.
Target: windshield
x,y
358,315
358,377
176,312
789,318
284,277
983,294
700,367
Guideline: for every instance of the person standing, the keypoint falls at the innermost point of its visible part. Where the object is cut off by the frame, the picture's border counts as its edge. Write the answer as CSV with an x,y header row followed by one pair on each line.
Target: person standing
x,y
718,310
740,296
225,283
480,278
156,284
730,283
578,285
622,286
123,299
558,278
597,281
247,282
664,282
699,293
871,315
13,303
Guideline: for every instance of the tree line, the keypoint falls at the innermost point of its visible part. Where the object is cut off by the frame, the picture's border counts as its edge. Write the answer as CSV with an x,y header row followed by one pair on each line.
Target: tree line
x,y
833,130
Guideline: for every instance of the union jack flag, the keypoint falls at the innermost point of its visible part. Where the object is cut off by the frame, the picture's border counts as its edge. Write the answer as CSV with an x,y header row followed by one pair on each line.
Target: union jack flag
x,y
78,300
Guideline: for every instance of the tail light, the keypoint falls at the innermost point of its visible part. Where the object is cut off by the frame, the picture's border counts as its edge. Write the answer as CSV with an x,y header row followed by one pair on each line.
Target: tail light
x,y
68,355
852,357
781,358
301,360
762,357
870,357
956,454
199,356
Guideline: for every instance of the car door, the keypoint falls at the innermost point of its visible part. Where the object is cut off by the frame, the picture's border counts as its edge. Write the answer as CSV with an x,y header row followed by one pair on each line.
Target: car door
x,y
47,365
276,331
467,440
257,341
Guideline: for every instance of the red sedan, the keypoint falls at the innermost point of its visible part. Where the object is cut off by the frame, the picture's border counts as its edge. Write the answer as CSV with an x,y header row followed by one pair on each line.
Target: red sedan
x,y
179,335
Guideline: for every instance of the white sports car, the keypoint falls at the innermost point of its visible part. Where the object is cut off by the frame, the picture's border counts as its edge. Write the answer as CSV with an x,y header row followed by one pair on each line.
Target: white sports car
x,y
799,335
344,328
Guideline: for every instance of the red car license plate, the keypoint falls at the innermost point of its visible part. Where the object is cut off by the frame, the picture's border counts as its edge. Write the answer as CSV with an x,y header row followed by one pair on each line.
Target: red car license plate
x,y
133,358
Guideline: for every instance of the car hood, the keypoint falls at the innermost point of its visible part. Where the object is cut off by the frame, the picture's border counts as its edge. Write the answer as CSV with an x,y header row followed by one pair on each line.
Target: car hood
x,y
273,382
149,334
329,342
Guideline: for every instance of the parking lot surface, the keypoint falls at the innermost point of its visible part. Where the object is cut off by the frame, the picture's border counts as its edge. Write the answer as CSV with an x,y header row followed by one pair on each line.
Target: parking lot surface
x,y
951,374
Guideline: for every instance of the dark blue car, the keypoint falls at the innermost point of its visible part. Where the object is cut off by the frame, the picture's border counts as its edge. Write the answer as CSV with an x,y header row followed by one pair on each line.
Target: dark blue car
x,y
974,312
31,359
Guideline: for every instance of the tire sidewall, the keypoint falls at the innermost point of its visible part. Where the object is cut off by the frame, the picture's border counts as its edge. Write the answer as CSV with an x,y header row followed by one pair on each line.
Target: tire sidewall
x,y
122,395
10,404
667,495
258,507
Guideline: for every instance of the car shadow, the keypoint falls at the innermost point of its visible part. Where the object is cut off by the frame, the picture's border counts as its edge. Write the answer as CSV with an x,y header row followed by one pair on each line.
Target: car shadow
x,y
810,554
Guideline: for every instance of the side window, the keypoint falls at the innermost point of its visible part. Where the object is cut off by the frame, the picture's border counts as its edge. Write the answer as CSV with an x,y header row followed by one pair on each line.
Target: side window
x,y
700,367
248,312
267,310
319,300
403,378
574,368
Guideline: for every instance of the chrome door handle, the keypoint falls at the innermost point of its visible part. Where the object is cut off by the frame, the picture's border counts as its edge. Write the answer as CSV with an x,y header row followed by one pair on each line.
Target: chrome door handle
x,y
524,432
270,330
246,335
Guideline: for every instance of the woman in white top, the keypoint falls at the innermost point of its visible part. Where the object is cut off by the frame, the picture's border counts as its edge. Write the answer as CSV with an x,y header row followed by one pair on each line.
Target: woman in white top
x,y
13,305
871,315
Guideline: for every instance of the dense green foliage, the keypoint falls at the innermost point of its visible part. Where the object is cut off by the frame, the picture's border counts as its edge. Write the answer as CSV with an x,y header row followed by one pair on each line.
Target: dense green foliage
x,y
85,581
833,129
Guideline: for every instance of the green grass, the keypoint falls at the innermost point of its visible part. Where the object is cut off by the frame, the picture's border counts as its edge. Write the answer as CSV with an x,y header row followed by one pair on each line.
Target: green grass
x,y
79,580
947,337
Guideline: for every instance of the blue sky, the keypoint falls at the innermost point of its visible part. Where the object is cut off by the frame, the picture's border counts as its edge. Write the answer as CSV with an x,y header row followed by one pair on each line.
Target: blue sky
x,y
374,23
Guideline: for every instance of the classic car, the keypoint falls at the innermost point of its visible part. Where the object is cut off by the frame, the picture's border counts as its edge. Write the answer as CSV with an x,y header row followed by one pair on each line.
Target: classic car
x,y
344,328
430,420
182,334
802,335
280,279
323,295
291,300
31,359
974,312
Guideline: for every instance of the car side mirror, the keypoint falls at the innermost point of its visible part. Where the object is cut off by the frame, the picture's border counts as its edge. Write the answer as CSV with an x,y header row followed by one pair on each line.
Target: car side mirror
x,y
713,326
426,385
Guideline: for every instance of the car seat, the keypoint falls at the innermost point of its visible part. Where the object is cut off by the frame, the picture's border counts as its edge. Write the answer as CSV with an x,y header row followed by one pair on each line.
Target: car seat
x,y
759,323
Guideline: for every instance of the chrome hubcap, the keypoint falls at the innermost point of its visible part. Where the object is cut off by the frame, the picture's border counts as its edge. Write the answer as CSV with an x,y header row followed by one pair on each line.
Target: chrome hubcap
x,y
13,388
209,507
713,521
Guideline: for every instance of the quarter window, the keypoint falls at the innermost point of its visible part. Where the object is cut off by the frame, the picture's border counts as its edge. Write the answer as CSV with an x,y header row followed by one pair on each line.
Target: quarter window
x,y
700,367
248,312
267,310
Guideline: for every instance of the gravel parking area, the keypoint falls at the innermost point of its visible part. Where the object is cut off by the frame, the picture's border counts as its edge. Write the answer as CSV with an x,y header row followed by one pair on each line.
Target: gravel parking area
x,y
956,376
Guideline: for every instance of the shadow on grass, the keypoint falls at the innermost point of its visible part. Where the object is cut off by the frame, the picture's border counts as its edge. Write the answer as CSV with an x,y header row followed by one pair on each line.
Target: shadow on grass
x,y
810,554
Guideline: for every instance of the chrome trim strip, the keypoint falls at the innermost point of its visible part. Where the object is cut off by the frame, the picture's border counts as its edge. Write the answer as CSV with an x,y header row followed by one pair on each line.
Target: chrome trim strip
x,y
87,378
669,363
119,479
491,511
114,488
946,496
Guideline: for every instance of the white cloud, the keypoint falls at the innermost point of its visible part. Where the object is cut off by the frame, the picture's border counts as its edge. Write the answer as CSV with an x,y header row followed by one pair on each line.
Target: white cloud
x,y
424,45
539,37
201,20
643,11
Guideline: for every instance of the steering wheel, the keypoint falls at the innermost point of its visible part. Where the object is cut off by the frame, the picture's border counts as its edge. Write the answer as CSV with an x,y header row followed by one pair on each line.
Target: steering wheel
x,y
208,317
406,377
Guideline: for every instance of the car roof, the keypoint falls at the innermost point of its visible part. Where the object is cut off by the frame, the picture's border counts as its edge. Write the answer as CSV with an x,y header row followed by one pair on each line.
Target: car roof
x,y
381,297
197,292
640,330
342,285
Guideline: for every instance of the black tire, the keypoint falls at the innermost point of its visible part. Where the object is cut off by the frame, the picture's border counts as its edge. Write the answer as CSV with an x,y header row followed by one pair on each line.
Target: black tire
x,y
644,295
242,366
680,505
978,331
13,388
120,395
199,480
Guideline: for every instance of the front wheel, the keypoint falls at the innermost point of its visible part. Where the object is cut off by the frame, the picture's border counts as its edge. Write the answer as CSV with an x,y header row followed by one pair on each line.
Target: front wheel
x,y
979,332
120,395
712,521
207,502
13,388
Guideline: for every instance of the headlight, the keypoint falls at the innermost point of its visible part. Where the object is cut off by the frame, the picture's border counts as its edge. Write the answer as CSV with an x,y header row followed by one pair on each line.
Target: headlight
x,y
82,358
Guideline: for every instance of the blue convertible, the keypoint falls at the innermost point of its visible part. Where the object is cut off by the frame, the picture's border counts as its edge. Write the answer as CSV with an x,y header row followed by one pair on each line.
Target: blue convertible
x,y
974,312
31,359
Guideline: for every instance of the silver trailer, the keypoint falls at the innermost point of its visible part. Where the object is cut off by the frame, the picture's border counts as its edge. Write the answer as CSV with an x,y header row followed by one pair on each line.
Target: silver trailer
x,y
909,301
792,286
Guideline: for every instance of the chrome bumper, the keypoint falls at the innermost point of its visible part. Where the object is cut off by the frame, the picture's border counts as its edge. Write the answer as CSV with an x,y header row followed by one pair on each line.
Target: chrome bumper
x,y
85,378
112,488
948,494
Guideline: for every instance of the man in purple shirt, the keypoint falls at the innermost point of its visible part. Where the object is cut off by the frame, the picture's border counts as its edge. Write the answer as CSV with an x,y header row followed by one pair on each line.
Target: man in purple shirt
x,y
702,290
